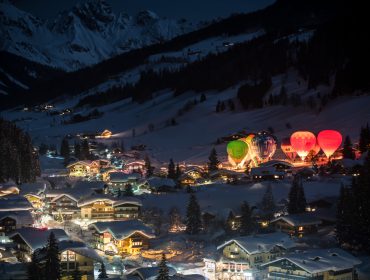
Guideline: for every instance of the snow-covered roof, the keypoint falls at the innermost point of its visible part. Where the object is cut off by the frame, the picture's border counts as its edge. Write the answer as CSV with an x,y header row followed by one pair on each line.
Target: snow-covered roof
x,y
79,248
37,238
274,162
304,219
14,202
22,218
320,260
254,244
123,177
157,182
78,191
7,190
82,162
150,273
127,200
64,194
123,229
265,170
94,198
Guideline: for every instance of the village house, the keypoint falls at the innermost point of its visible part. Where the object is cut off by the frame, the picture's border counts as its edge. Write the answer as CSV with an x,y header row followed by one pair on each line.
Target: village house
x,y
297,224
243,255
266,173
324,264
121,237
118,180
30,239
11,220
80,168
64,205
103,207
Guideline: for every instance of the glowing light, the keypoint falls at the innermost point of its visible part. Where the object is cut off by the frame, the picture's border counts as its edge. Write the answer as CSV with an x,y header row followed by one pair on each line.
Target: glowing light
x,y
263,145
237,151
329,141
287,148
303,142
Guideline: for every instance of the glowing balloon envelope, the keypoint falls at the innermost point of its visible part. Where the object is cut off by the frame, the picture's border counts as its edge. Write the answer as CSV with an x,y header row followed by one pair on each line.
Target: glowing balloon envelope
x,y
263,145
329,141
303,142
237,150
287,148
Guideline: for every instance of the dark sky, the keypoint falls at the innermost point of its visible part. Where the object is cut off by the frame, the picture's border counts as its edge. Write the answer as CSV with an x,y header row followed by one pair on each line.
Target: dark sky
x,y
190,9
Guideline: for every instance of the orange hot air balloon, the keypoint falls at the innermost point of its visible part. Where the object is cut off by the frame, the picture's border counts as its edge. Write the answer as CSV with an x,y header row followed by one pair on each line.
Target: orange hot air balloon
x,y
287,148
316,149
303,142
329,141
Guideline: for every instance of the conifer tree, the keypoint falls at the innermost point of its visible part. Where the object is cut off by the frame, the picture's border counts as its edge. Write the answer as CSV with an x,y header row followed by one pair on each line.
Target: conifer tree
x,y
171,170
247,224
297,200
33,270
268,203
347,149
175,219
148,166
163,273
77,150
203,97
85,150
178,171
128,190
102,272
213,161
345,215
230,222
364,142
193,216
43,149
64,150
52,264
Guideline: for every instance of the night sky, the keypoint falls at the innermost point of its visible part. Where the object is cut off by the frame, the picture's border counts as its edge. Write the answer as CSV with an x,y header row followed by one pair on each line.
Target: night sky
x,y
190,9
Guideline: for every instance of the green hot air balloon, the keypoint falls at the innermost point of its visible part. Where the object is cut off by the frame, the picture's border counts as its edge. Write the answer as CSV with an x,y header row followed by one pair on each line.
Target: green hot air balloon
x,y
237,150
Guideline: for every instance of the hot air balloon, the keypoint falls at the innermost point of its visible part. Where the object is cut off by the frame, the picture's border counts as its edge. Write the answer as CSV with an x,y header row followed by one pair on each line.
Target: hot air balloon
x,y
263,145
315,149
288,149
303,142
237,150
329,141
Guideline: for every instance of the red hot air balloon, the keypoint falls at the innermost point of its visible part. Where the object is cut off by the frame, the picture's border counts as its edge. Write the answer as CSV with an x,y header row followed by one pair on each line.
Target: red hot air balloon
x,y
303,142
329,141
288,149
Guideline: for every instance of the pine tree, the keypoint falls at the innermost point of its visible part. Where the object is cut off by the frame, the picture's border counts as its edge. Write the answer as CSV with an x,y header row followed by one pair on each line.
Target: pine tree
x,y
222,106
148,166
178,172
52,265
85,150
163,273
297,200
213,161
364,142
43,149
171,170
175,219
64,150
268,203
33,270
193,216
230,222
347,148
102,272
128,190
247,223
77,150
345,216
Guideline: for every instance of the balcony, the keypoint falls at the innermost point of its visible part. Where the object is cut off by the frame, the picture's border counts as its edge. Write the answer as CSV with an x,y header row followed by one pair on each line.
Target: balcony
x,y
281,275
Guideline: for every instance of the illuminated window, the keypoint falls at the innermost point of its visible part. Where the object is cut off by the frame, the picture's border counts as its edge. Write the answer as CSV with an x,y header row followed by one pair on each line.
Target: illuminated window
x,y
300,228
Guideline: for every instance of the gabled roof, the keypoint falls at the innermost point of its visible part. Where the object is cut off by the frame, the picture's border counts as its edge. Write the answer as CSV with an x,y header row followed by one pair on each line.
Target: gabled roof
x,y
123,177
94,198
79,248
127,200
64,194
14,202
150,272
320,260
157,182
254,244
83,162
22,218
36,238
79,190
304,219
123,229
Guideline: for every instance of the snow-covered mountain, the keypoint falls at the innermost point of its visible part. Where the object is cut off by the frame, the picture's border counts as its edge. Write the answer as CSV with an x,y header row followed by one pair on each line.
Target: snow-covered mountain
x,y
82,36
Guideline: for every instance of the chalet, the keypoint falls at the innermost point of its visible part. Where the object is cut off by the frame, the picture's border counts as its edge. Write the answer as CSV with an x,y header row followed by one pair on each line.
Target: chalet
x,y
325,264
35,200
6,255
266,173
13,202
30,239
122,237
103,207
80,168
12,220
279,165
149,273
65,205
118,180
240,256
159,184
297,224
75,254
134,166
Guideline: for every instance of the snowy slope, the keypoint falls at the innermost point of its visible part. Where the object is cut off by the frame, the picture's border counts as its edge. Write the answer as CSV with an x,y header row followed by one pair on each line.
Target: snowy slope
x,y
82,36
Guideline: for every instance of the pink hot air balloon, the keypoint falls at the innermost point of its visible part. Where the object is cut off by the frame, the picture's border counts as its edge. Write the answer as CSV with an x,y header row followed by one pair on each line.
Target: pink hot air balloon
x,y
329,141
303,142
